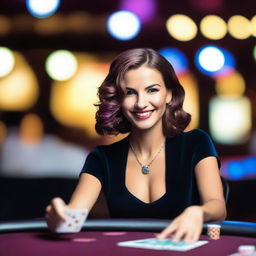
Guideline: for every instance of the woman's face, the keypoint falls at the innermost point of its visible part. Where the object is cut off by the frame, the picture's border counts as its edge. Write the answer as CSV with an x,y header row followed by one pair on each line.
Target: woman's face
x,y
145,97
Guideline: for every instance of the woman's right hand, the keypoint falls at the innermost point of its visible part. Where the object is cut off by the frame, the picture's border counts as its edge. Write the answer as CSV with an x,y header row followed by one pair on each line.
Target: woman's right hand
x,y
55,213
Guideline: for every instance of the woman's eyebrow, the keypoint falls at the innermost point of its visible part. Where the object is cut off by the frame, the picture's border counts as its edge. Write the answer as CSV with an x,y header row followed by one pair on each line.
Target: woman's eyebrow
x,y
150,86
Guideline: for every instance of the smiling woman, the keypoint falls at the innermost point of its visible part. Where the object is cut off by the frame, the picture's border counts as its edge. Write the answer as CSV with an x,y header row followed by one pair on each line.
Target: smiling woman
x,y
145,98
158,170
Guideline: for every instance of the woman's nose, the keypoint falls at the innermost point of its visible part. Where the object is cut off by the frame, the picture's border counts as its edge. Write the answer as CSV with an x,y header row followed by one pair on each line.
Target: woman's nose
x,y
141,102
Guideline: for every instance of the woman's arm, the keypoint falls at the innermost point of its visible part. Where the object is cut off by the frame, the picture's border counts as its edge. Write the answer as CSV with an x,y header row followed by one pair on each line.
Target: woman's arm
x,y
86,192
84,197
210,190
188,225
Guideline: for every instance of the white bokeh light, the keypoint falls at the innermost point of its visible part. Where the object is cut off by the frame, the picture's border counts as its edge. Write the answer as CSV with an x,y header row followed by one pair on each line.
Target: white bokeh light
x,y
123,25
211,59
6,61
61,65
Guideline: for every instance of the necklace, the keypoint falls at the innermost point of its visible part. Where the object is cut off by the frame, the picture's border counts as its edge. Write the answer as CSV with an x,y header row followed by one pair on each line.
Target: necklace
x,y
145,168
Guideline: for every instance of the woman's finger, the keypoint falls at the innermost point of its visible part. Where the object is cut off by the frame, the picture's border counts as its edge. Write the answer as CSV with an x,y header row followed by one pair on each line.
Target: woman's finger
x,y
48,208
190,237
167,231
59,205
179,234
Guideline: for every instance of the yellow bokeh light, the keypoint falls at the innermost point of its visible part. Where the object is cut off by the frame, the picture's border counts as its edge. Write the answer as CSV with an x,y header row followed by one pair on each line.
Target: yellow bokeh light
x,y
253,25
61,65
231,85
51,26
31,129
5,25
230,119
3,132
72,101
239,27
181,27
191,103
19,90
213,27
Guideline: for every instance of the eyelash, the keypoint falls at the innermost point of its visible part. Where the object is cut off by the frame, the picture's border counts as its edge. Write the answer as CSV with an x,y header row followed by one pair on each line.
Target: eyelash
x,y
150,90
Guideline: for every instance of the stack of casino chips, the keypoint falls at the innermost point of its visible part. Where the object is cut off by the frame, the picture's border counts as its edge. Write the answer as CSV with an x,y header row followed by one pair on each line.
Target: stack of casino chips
x,y
213,231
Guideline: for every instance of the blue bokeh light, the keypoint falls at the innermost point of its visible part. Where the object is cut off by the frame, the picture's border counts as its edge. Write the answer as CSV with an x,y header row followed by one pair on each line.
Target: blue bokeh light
x,y
239,169
177,59
42,9
235,170
214,60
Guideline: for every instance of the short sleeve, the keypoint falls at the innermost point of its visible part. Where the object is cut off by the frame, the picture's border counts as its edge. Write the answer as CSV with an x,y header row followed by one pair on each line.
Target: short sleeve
x,y
204,147
94,165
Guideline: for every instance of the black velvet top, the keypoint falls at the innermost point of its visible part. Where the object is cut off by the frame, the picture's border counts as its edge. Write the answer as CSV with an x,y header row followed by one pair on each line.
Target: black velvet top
x,y
183,152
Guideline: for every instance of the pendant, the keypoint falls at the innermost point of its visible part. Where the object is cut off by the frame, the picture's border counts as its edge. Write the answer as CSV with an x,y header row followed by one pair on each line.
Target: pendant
x,y
145,169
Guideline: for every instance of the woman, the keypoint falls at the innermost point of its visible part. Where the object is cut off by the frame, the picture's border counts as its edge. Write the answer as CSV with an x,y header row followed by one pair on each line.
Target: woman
x,y
158,171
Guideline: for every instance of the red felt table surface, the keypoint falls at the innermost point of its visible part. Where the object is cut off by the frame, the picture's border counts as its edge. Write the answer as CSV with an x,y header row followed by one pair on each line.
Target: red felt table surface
x,y
100,243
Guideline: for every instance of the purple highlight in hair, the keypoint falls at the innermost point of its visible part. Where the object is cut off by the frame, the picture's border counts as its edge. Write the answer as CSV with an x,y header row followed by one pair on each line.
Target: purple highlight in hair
x,y
110,118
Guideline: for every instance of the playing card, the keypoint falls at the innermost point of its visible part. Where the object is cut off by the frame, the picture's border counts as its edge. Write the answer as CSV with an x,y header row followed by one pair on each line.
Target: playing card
x,y
74,221
164,244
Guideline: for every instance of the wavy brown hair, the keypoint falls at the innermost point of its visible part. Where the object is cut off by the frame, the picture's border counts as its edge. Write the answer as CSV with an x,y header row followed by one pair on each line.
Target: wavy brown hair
x,y
109,117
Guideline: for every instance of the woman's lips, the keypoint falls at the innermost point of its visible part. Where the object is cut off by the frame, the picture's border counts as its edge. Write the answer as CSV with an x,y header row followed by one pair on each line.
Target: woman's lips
x,y
143,115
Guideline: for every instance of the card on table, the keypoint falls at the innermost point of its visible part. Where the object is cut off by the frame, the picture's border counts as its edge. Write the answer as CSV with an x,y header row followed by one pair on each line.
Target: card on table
x,y
74,221
164,244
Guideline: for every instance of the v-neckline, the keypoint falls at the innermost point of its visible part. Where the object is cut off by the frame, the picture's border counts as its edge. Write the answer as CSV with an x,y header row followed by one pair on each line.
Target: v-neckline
x,y
125,158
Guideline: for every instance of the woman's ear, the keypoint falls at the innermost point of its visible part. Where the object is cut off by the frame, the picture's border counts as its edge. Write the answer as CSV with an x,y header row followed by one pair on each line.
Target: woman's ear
x,y
169,97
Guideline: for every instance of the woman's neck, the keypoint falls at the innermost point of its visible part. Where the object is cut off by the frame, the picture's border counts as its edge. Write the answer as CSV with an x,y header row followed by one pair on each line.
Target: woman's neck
x,y
146,143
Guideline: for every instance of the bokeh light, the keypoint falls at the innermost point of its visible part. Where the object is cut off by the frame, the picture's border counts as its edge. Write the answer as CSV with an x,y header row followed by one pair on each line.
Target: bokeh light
x,y
31,129
3,132
61,65
209,59
177,59
239,27
191,102
72,101
50,26
19,90
230,120
241,168
123,25
181,27
213,27
253,25
7,61
254,52
231,85
144,9
229,64
5,25
42,8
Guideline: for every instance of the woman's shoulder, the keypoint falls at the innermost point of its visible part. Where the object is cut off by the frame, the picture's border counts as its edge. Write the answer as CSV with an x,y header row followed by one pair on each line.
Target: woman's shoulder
x,y
194,136
195,133
116,146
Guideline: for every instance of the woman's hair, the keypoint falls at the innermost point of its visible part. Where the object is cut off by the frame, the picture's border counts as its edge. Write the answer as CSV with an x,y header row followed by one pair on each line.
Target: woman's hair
x,y
109,117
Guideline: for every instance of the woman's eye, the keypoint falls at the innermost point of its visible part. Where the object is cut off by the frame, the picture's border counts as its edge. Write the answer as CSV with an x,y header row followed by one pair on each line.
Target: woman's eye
x,y
129,92
150,90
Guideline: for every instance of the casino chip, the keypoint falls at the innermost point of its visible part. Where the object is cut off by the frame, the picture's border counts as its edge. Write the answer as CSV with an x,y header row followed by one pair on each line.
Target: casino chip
x,y
247,250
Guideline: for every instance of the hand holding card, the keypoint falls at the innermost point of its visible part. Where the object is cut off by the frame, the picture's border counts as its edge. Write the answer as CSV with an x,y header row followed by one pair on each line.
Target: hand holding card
x,y
74,221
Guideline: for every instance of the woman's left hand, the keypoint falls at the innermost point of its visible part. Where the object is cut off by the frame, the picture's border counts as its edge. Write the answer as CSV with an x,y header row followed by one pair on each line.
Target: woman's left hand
x,y
187,226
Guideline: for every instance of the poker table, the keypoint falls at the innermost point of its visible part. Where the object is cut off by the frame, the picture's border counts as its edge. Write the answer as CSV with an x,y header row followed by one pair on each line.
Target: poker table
x,y
100,237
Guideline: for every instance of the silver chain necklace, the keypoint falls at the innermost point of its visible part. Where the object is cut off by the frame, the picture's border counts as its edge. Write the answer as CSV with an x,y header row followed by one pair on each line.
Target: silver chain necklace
x,y
145,168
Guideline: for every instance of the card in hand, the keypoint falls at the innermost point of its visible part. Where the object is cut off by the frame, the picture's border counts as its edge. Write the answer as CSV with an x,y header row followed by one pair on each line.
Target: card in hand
x,y
74,221
164,244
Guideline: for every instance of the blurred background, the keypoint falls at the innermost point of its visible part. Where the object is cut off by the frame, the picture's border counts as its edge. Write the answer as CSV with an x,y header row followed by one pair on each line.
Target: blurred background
x,y
53,56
